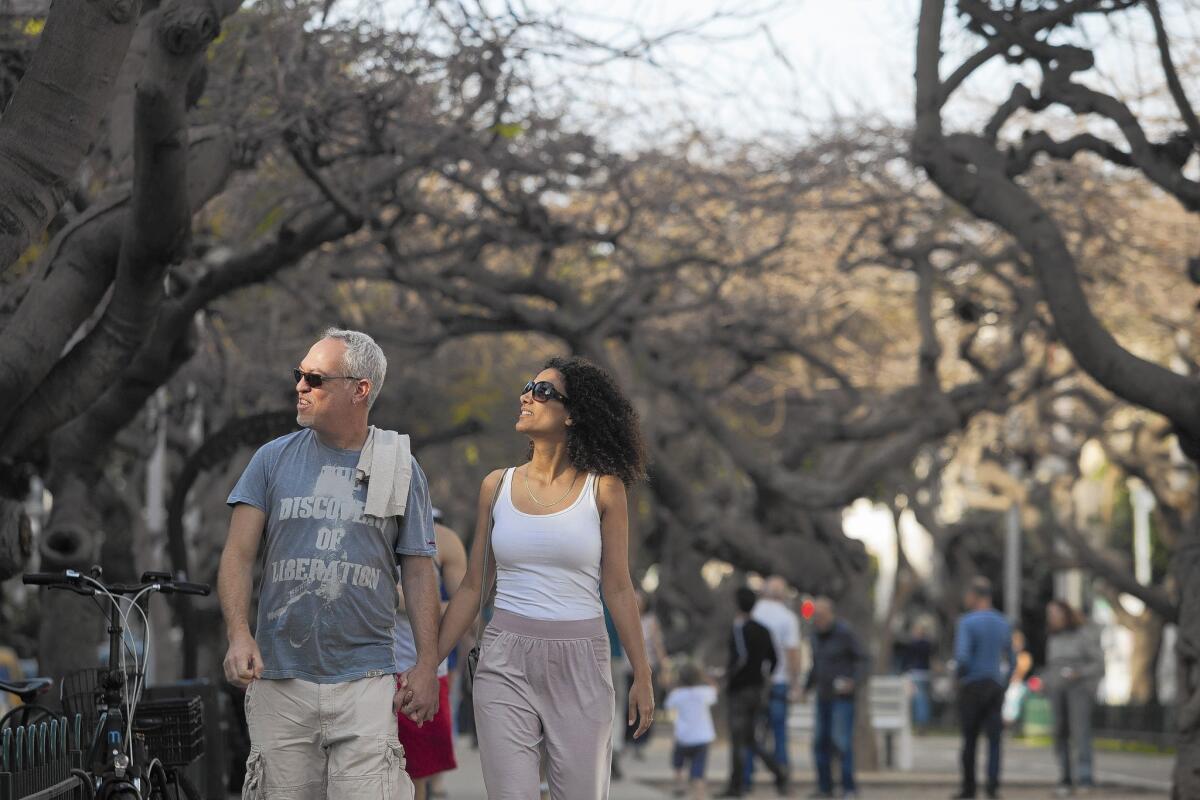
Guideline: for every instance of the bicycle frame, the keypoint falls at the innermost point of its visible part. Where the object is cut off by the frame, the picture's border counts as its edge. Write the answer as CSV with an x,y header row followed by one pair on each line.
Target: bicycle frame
x,y
108,750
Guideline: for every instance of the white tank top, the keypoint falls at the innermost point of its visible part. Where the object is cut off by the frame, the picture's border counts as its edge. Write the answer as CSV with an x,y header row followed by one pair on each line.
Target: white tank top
x,y
548,565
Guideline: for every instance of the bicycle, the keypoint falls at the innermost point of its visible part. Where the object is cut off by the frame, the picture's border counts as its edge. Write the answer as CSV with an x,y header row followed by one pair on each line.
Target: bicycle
x,y
117,764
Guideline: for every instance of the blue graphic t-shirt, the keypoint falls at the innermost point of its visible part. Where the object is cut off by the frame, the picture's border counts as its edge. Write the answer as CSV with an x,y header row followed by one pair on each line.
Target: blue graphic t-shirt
x,y
327,601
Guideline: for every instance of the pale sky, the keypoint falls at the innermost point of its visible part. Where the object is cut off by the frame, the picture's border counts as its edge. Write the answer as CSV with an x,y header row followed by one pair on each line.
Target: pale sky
x,y
793,66
788,66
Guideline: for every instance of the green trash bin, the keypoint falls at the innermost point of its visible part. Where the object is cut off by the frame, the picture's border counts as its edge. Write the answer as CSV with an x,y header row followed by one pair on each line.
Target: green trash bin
x,y
1035,716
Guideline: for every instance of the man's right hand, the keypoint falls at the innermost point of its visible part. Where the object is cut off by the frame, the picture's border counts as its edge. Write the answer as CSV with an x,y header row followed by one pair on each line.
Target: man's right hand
x,y
243,661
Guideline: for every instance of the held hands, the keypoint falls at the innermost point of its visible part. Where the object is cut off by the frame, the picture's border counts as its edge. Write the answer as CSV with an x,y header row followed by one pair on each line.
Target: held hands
x,y
243,661
641,705
843,686
417,695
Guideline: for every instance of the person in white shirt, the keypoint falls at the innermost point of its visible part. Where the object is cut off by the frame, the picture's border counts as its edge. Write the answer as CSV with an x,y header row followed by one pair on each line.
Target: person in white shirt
x,y
692,703
771,611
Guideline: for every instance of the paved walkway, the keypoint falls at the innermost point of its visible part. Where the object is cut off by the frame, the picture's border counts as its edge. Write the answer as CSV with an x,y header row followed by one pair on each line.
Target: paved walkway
x,y
1029,773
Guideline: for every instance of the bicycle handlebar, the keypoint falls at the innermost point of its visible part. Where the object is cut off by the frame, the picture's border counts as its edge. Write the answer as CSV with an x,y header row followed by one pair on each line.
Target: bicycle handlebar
x,y
44,578
77,582
183,587
69,579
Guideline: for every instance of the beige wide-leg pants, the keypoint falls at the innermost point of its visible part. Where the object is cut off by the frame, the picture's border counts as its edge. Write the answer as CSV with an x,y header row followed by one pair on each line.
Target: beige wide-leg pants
x,y
324,741
544,680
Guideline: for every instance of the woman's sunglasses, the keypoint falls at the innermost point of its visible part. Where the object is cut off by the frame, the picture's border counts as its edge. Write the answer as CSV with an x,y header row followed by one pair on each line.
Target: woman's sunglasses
x,y
544,391
314,380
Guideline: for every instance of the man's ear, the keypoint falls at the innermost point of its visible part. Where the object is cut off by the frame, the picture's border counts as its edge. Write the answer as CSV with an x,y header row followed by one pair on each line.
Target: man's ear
x,y
360,393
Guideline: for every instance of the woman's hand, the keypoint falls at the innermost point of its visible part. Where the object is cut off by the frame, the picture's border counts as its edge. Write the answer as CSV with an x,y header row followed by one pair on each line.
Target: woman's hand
x,y
641,705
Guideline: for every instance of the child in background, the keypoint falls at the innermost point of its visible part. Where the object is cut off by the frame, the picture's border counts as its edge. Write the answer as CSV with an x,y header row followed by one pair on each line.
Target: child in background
x,y
692,701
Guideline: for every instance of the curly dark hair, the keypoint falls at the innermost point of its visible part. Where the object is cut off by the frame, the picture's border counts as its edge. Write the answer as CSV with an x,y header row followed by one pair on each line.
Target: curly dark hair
x,y
605,436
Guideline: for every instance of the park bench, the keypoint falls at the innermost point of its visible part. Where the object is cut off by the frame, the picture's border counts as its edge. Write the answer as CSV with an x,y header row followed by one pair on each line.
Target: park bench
x,y
890,716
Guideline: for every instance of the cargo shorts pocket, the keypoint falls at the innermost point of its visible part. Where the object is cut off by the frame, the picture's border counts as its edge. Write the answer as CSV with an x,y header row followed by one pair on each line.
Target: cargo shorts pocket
x,y
398,785
252,787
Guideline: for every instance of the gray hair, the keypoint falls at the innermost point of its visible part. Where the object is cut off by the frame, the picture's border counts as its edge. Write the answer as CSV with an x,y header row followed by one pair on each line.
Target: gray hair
x,y
363,358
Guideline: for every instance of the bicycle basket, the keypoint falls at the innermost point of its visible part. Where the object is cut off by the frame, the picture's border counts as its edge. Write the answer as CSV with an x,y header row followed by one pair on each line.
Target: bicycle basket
x,y
81,691
173,729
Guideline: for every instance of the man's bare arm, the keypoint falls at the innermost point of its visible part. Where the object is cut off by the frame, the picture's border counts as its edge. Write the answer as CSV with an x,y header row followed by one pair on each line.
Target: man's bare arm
x,y
419,579
243,661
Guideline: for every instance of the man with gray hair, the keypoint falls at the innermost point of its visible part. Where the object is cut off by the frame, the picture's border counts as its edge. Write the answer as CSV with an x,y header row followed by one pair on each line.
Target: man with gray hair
x,y
340,504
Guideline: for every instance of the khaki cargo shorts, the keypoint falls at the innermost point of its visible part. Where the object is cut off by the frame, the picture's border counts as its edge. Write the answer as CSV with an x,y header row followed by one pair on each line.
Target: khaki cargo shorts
x,y
324,741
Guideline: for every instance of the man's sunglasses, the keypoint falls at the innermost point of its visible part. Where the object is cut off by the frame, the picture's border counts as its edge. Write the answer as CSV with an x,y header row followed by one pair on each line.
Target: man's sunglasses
x,y
314,380
544,391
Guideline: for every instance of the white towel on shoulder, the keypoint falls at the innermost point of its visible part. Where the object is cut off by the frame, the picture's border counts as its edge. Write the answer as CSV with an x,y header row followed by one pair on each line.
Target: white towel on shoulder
x,y
386,464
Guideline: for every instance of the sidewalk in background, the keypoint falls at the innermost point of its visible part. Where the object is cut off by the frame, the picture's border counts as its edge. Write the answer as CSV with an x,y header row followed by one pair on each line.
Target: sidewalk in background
x,y
1029,772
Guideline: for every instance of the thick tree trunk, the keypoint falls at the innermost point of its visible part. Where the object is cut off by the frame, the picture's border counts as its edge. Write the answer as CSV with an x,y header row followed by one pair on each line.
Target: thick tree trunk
x,y
90,524
70,631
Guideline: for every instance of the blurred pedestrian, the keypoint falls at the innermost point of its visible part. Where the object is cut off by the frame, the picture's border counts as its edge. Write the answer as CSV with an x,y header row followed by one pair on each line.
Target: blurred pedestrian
x,y
1074,667
751,659
918,658
772,613
839,667
429,748
692,701
984,655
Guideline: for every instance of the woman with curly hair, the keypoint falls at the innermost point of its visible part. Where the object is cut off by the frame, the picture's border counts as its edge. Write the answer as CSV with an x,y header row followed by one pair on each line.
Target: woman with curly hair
x,y
556,532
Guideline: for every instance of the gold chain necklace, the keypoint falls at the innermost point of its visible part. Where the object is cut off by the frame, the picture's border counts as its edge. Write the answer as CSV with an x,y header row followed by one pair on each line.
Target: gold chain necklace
x,y
532,497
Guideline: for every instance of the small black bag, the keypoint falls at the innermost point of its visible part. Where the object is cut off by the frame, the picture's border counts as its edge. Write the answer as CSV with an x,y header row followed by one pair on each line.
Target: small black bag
x,y
473,656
